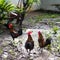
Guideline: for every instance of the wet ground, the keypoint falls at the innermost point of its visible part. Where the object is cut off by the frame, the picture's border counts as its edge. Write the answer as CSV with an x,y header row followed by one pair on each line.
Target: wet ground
x,y
11,52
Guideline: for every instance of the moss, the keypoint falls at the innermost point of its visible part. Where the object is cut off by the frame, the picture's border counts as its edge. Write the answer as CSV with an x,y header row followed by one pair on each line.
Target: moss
x,y
53,16
43,16
11,52
55,29
1,50
57,20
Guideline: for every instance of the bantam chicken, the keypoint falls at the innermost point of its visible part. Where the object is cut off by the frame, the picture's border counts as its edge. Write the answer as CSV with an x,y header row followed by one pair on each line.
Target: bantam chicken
x,y
13,32
41,41
29,45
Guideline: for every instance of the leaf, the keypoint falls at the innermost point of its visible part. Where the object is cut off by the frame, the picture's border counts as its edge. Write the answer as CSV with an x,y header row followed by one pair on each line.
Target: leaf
x,y
55,28
5,8
11,52
2,1
31,1
1,51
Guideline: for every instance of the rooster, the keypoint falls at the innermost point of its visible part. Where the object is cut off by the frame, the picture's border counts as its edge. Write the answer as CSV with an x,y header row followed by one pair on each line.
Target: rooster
x,y
13,32
41,41
29,45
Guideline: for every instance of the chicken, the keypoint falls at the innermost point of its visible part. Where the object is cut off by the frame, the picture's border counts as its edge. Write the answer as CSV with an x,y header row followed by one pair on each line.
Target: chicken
x,y
29,45
13,32
41,41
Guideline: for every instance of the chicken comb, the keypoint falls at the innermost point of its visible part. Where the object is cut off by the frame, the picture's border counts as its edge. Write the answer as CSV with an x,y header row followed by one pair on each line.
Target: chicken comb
x,y
10,25
29,32
39,33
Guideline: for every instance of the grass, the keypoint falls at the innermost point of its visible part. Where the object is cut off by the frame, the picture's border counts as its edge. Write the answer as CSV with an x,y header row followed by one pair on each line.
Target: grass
x,y
41,16
1,50
57,20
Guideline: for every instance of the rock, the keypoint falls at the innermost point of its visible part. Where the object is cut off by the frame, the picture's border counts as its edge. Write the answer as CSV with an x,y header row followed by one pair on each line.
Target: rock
x,y
5,55
21,53
39,58
5,43
7,48
11,52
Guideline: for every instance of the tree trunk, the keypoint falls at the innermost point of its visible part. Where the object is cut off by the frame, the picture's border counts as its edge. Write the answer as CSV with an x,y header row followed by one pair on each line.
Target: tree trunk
x,y
20,20
20,28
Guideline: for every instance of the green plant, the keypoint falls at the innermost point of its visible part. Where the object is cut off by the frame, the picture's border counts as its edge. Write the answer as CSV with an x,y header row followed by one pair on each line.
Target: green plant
x,y
58,20
22,10
27,4
53,16
5,8
55,29
1,50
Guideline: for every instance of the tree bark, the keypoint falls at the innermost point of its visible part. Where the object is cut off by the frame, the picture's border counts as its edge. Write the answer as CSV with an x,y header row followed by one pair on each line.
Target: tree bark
x,y
20,21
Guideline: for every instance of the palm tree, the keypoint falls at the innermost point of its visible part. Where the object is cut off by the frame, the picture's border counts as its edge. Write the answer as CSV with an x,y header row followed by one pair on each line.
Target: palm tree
x,y
5,8
22,7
